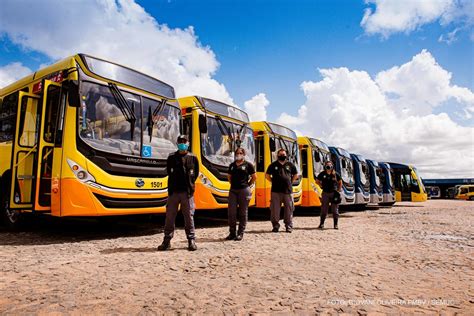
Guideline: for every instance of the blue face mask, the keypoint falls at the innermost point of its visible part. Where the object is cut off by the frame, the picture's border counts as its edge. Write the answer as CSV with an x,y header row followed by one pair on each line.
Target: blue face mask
x,y
183,146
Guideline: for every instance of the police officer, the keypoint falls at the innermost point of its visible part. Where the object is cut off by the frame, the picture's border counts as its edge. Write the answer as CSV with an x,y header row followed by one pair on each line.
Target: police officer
x,y
183,170
241,176
331,182
282,173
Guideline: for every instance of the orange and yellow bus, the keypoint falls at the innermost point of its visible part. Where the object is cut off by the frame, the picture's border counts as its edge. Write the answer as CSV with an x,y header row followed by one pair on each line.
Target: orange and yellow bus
x,y
215,130
313,155
269,137
86,137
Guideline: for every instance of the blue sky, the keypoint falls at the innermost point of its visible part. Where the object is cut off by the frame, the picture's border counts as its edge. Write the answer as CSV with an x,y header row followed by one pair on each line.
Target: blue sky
x,y
392,80
272,46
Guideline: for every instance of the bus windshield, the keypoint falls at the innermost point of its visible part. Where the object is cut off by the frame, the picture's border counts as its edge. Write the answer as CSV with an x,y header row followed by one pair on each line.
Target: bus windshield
x,y
218,144
347,173
105,125
291,147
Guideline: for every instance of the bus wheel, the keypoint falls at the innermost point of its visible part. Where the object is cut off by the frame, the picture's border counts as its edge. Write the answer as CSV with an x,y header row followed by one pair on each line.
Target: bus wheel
x,y
11,218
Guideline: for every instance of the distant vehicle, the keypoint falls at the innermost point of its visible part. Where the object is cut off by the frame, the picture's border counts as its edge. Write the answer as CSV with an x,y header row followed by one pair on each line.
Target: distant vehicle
x,y
343,163
215,130
269,137
433,192
451,192
313,154
465,192
376,182
408,184
361,180
388,188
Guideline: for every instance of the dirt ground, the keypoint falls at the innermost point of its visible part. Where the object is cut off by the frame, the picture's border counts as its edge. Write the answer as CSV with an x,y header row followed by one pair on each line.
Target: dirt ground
x,y
409,259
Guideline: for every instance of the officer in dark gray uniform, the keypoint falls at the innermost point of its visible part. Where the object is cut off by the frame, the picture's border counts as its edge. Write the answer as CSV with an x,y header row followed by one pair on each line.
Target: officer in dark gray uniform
x,y
330,181
183,170
241,176
282,173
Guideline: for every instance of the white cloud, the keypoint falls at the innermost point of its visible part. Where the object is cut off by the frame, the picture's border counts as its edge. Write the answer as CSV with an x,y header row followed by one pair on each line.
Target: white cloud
x,y
256,107
121,31
391,16
422,84
12,72
352,110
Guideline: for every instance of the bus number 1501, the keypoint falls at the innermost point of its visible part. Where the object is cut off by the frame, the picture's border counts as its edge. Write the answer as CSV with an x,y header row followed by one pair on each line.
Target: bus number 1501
x,y
156,185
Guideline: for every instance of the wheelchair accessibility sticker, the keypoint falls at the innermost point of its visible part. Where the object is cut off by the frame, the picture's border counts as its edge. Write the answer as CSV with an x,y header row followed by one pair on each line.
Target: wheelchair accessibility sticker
x,y
146,151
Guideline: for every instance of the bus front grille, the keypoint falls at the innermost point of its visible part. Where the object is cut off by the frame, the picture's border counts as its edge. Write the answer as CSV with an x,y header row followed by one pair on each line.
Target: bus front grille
x,y
110,202
221,199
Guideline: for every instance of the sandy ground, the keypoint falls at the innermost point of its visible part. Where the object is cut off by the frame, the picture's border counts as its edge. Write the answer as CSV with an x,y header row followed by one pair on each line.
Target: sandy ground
x,y
409,259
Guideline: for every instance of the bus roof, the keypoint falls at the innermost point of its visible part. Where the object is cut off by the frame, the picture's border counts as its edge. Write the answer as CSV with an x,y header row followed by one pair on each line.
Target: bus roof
x,y
282,130
319,143
225,109
341,151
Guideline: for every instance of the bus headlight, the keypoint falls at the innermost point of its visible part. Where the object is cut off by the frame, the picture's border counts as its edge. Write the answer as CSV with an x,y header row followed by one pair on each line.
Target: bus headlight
x,y
80,172
206,181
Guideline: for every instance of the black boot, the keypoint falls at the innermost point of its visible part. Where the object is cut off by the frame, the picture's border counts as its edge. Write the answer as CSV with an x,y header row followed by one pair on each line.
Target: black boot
x,y
321,223
239,237
192,245
165,245
231,236
335,223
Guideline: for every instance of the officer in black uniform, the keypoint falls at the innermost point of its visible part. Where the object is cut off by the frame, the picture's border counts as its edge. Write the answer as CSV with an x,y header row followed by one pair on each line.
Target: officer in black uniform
x,y
282,173
330,181
241,176
183,170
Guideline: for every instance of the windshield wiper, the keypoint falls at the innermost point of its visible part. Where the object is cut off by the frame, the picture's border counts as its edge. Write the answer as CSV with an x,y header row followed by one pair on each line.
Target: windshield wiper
x,y
150,123
224,129
238,141
123,106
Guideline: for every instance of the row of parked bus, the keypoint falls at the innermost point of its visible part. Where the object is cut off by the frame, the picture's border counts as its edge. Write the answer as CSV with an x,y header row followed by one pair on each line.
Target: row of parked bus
x,y
88,137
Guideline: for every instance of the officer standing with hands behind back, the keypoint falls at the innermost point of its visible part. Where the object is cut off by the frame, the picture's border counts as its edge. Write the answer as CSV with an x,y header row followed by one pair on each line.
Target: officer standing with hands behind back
x,y
282,173
183,170
331,183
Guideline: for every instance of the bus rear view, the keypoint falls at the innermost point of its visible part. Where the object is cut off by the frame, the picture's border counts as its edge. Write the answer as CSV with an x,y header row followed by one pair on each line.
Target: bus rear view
x,y
215,131
89,137
343,163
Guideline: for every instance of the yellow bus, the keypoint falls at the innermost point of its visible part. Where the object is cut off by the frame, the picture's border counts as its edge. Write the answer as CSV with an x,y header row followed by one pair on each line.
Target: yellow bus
x,y
269,137
408,184
465,192
313,155
215,130
86,137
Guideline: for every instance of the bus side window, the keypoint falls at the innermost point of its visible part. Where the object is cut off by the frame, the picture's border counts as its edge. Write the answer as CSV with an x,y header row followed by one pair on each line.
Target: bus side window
x,y
8,117
51,115
471,189
463,191
260,154
304,162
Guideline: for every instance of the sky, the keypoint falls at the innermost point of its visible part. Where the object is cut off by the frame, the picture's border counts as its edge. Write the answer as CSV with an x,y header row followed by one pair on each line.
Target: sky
x,y
392,80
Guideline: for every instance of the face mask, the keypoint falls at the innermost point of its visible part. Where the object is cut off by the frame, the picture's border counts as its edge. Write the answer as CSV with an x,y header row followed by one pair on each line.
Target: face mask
x,y
183,146
328,167
239,157
282,158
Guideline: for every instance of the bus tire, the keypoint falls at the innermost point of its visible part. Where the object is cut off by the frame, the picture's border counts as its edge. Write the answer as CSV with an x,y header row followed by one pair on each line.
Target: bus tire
x,y
10,218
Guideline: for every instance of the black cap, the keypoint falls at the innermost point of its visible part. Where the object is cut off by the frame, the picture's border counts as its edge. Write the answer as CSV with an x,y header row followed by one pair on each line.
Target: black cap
x,y
182,138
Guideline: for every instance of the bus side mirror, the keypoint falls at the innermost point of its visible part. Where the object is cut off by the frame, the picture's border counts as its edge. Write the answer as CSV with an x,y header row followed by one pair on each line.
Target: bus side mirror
x,y
73,96
343,162
272,144
202,124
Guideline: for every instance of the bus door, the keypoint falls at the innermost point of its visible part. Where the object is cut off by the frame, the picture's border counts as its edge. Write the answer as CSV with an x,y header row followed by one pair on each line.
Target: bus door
x,y
24,151
46,139
406,184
